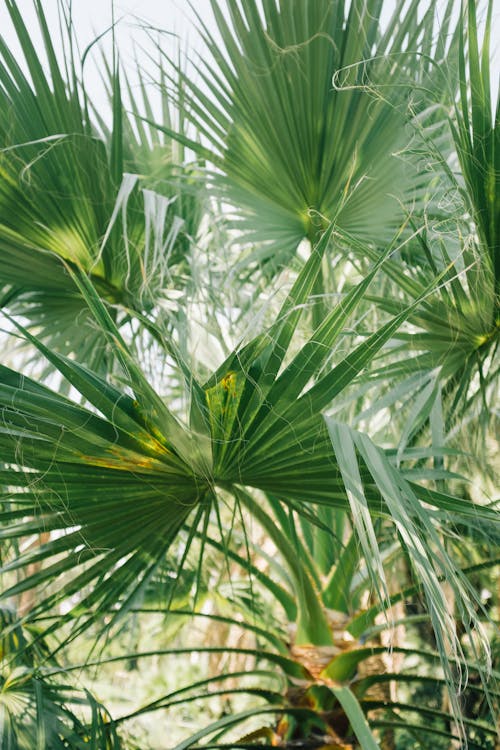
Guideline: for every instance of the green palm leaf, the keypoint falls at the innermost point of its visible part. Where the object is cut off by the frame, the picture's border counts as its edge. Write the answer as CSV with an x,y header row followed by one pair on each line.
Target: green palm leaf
x,y
138,463
456,331
302,112
476,132
73,192
38,711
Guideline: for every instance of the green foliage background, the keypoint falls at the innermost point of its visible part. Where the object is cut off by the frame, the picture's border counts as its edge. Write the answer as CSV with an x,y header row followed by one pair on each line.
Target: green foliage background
x,y
249,397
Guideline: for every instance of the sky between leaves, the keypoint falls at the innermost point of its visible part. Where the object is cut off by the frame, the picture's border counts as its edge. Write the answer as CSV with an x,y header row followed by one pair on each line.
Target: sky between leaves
x,y
93,17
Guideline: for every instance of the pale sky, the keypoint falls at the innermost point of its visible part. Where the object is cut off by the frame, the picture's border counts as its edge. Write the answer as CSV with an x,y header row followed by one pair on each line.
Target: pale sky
x,y
92,17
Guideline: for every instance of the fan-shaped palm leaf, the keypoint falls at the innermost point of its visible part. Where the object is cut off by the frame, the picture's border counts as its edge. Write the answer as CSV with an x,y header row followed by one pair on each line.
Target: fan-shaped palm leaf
x,y
252,425
302,109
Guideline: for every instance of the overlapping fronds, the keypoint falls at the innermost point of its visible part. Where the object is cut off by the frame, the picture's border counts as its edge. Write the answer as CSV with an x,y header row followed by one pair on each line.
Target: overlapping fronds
x,y
106,200
119,490
256,423
476,132
455,333
303,108
39,711
80,468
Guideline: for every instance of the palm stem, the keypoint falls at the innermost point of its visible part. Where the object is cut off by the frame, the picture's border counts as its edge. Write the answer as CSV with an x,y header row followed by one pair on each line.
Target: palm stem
x,y
312,624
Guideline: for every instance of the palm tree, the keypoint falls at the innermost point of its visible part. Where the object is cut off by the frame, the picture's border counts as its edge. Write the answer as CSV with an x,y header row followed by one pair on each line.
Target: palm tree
x,y
120,476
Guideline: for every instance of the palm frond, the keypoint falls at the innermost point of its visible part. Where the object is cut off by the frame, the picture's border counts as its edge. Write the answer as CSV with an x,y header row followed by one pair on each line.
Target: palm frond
x,y
39,711
75,192
302,111
256,428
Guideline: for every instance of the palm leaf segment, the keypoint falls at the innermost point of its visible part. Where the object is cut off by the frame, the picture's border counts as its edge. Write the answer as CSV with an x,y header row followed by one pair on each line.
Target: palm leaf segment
x,y
302,110
70,194
117,486
38,710
476,132
459,326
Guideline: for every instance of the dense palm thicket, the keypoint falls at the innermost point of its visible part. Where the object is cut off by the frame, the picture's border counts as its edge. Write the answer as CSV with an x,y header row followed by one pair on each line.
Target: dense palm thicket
x,y
248,404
